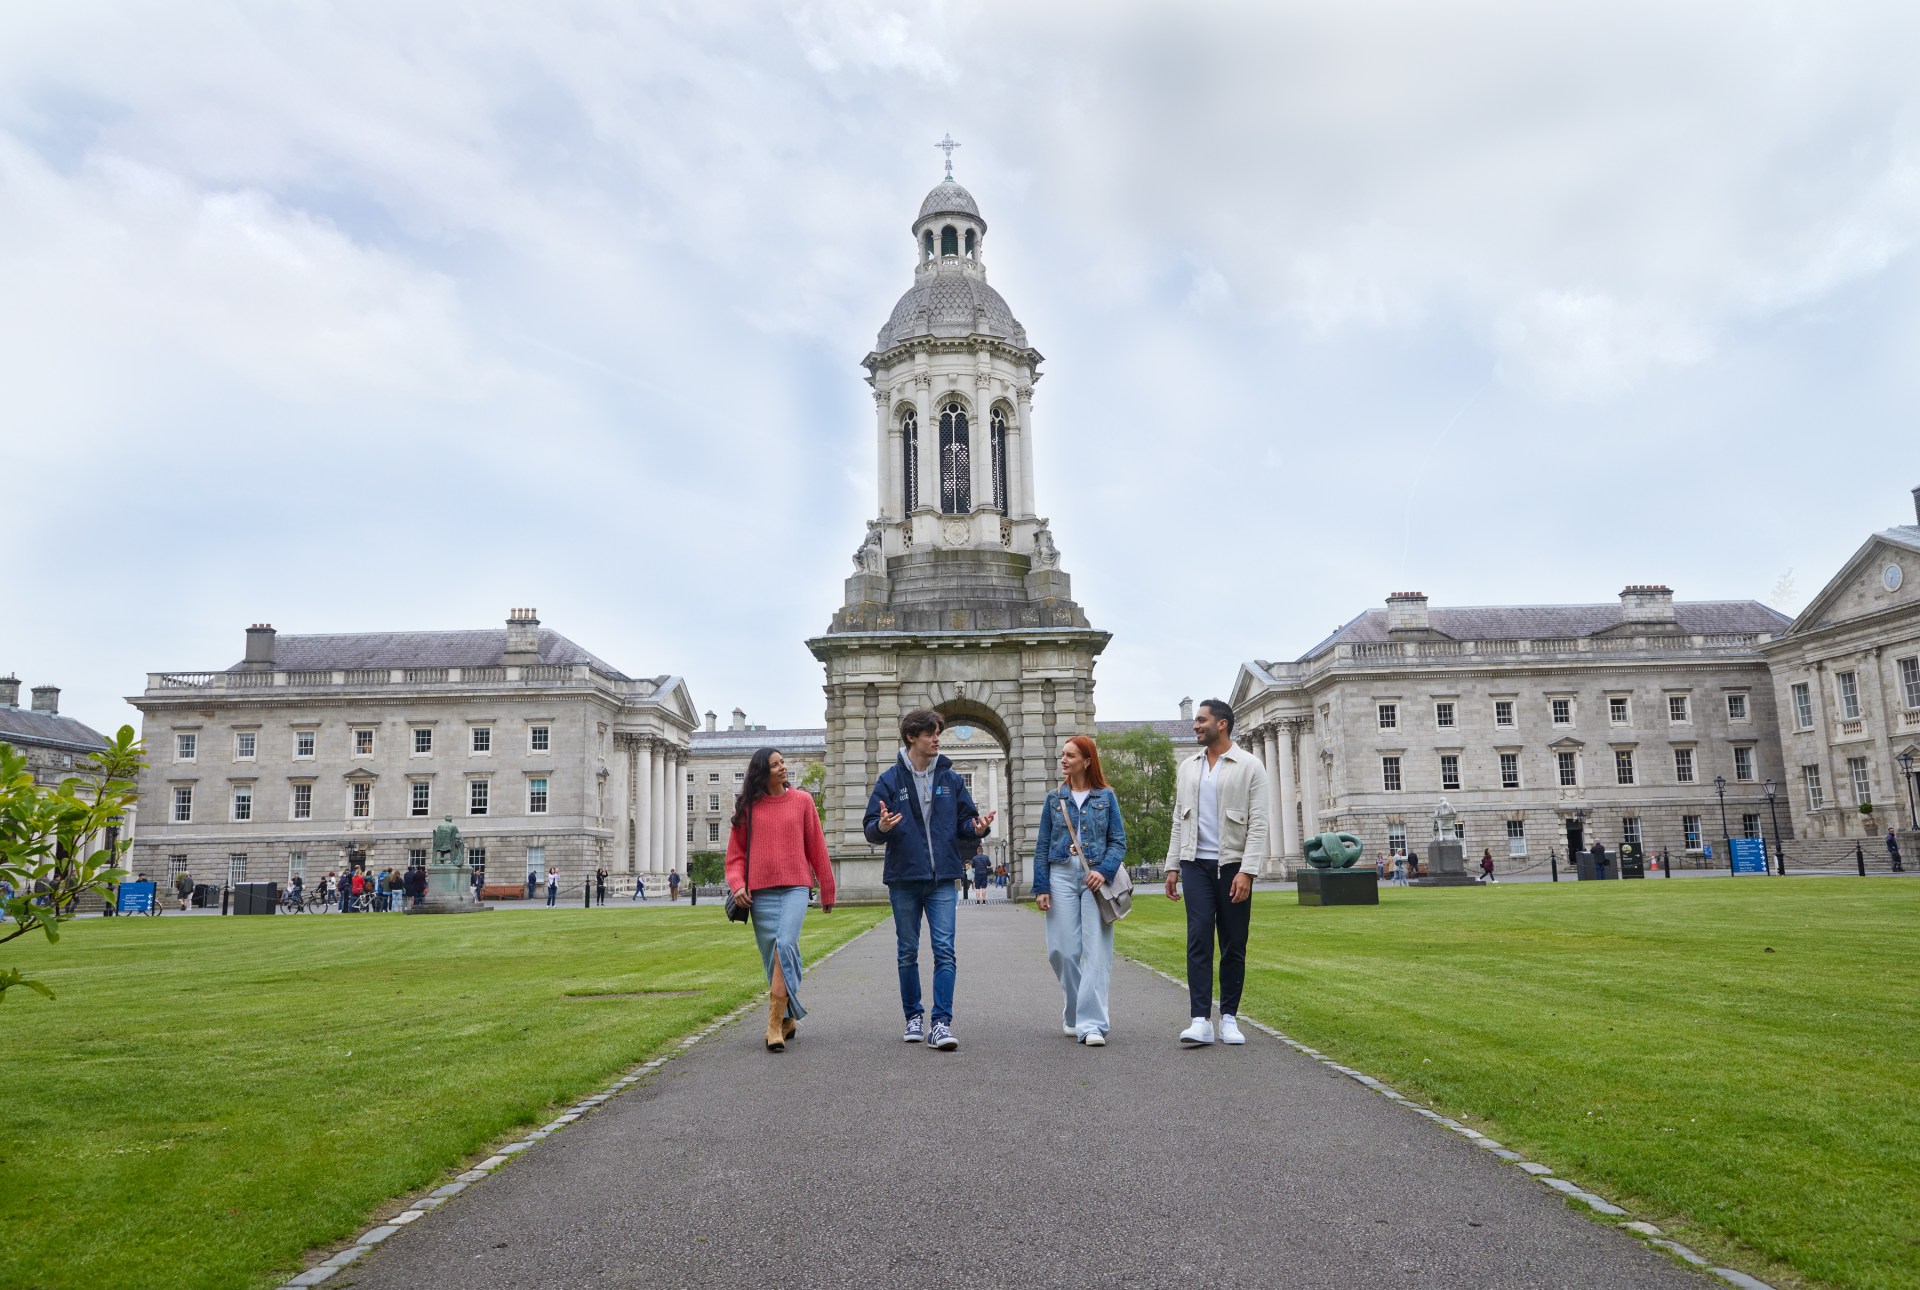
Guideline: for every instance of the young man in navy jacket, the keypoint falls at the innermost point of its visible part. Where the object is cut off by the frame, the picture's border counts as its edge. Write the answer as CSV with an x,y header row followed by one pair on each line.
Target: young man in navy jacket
x,y
919,811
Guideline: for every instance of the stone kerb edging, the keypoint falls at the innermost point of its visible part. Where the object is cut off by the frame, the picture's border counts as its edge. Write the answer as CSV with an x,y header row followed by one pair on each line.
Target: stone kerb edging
x,y
439,1196
1647,1231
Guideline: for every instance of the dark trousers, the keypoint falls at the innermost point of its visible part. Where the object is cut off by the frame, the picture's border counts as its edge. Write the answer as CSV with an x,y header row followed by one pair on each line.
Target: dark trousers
x,y
1211,913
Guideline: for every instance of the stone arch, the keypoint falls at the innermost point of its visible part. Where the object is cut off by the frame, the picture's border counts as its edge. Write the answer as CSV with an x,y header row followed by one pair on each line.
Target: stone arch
x,y
961,710
949,241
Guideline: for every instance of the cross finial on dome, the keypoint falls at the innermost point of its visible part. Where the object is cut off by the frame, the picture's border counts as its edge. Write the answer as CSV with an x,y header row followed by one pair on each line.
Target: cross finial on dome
x,y
947,145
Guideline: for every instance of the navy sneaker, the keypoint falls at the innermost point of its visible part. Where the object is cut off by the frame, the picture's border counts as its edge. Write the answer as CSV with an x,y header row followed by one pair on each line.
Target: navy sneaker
x,y
943,1039
916,1029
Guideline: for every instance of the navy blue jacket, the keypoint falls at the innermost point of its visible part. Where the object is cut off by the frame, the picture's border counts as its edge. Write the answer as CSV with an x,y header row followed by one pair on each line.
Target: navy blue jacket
x,y
953,816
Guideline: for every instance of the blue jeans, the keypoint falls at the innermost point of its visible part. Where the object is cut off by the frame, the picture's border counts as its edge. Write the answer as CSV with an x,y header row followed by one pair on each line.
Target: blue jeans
x,y
938,901
1080,948
777,915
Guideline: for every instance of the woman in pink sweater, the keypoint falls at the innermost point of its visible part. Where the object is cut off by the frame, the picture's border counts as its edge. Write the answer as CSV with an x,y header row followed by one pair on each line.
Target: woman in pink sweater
x,y
775,855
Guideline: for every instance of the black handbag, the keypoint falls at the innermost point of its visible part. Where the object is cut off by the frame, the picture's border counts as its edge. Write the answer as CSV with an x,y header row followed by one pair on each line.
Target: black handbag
x,y
738,910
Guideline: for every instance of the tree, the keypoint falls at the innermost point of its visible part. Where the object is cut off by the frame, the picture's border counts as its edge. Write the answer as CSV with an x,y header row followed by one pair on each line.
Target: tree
x,y
1140,766
45,834
707,868
814,780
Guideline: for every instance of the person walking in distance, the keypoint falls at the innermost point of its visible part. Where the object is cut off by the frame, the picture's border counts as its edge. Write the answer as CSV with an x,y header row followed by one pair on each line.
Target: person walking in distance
x,y
1893,852
918,811
639,888
1218,845
1081,845
1486,865
673,884
776,855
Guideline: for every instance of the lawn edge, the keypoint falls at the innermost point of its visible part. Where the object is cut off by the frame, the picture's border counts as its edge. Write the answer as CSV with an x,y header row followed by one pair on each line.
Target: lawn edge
x,y
1592,1205
347,1253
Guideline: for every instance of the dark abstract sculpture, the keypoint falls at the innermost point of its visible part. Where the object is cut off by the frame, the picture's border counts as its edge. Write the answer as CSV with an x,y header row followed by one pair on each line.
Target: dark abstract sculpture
x,y
1332,851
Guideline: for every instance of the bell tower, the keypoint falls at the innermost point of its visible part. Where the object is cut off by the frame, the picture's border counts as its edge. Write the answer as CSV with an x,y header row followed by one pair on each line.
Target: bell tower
x,y
957,600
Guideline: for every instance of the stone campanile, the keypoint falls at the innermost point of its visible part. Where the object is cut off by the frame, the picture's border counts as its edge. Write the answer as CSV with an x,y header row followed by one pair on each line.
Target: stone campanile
x,y
957,601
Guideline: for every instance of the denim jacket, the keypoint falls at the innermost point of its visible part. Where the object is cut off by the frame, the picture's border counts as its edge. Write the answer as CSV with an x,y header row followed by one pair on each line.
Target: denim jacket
x,y
1103,838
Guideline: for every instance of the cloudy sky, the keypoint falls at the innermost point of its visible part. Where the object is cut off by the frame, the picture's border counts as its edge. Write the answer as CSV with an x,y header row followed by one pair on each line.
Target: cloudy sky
x,y
362,316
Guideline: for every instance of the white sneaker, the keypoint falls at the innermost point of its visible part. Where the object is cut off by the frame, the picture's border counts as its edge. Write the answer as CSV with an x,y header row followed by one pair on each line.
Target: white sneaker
x,y
1095,1039
1230,1030
1069,1031
1199,1034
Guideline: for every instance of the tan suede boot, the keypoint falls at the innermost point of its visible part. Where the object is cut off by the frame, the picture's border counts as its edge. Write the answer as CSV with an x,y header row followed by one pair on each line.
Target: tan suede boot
x,y
787,1027
776,1036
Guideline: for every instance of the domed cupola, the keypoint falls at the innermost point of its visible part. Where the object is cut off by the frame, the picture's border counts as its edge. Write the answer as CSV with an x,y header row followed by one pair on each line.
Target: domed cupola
x,y
950,297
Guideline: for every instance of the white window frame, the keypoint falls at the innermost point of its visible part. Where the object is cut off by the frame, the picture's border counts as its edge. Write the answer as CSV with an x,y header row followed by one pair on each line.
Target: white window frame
x,y
1848,685
1690,833
296,865
1860,775
480,741
1396,838
295,804
690,807
1444,713
186,745
358,797
713,830
1504,714
1816,793
1679,710
540,738
1738,699
420,733
1630,829
479,797
1510,770
1391,780
311,739
1743,763
1516,839
1624,702
713,777
1624,771
1802,693
246,745
537,860
1750,825
420,798
1388,715
1449,772
236,868
539,794
182,797
1561,711
242,809
367,735
1910,682
1566,768
713,801
1684,769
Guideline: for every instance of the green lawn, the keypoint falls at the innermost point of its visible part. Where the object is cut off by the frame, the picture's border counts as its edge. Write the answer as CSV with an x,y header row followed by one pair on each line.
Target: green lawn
x,y
210,1097
1640,1038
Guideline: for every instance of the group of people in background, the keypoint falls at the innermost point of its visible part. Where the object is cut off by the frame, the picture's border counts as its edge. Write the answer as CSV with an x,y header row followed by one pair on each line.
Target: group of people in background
x,y
382,892
921,812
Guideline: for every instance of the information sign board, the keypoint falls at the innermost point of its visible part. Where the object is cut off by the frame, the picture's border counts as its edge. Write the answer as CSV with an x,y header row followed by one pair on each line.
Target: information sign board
x,y
1749,855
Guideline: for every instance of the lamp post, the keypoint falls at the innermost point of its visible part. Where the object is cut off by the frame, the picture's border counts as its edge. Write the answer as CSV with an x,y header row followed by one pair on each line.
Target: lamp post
x,y
1906,772
1780,854
1726,835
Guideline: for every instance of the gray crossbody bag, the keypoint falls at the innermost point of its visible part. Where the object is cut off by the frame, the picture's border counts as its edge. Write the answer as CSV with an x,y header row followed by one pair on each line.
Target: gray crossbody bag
x,y
1115,898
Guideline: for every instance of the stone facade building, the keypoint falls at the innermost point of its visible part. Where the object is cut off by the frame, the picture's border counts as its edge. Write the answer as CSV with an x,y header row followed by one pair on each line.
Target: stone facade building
x,y
316,753
1614,718
56,747
957,601
1846,679
717,767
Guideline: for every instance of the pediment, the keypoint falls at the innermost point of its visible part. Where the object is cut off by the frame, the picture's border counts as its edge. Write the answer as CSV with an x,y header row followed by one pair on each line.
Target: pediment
x,y
1857,590
1567,741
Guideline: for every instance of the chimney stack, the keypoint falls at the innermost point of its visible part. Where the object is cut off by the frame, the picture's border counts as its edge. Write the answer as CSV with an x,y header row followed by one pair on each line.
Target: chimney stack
x,y
259,648
713,721
46,698
1186,709
523,637
1407,612
9,691
1916,506
1649,604
739,720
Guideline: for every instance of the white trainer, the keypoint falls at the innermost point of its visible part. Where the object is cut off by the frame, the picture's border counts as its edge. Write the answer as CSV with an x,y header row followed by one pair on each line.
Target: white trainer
x,y
1069,1031
1199,1034
1095,1039
1230,1030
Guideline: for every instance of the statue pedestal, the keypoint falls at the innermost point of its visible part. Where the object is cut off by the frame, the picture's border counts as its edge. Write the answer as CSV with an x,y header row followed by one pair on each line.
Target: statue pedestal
x,y
1446,865
1338,886
449,891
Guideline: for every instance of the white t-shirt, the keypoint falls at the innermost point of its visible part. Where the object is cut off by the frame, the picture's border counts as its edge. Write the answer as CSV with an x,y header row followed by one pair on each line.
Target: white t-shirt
x,y
1080,796
1206,845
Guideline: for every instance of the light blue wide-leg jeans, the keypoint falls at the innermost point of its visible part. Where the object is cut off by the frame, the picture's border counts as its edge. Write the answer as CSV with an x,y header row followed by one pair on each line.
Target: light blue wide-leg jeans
x,y
1080,948
777,915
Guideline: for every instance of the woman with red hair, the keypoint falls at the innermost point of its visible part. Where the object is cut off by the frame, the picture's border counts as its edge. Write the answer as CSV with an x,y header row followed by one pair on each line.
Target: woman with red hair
x,y
1081,847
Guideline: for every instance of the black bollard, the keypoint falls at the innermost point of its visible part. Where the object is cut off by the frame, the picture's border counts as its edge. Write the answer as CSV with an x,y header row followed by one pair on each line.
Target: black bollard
x,y
1553,862
1860,858
586,895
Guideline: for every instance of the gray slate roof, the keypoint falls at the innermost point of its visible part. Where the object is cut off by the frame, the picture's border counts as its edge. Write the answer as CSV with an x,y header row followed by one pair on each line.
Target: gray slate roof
x,y
743,743
483,647
23,726
951,302
1178,731
1545,622
949,198
1907,535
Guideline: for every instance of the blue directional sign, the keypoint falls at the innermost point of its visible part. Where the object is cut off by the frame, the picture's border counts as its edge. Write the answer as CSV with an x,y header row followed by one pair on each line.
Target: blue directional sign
x,y
1749,855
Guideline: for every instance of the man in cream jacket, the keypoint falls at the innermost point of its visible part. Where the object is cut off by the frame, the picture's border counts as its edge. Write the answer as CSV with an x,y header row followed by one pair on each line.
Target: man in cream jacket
x,y
1219,843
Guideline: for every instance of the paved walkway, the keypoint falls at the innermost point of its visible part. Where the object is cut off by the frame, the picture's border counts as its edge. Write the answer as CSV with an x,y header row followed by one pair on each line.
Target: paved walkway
x,y
856,1160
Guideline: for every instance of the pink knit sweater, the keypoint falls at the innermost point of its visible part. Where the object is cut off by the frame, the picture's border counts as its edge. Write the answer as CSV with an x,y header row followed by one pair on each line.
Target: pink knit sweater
x,y
789,850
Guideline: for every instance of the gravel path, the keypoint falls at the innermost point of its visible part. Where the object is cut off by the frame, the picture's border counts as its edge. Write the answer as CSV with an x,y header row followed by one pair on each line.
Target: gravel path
x,y
856,1160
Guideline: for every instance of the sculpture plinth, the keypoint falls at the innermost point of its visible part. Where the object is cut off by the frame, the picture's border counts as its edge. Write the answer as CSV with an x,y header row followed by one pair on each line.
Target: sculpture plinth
x,y
449,876
1329,876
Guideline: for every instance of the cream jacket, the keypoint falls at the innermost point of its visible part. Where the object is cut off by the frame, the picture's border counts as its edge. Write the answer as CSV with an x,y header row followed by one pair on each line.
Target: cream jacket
x,y
1240,781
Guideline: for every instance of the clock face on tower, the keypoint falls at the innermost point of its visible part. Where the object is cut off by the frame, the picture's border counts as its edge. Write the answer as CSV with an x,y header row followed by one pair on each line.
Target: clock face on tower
x,y
1891,577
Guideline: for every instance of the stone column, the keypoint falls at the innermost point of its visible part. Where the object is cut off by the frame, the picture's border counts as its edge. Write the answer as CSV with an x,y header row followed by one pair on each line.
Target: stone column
x,y
980,437
1287,799
884,468
680,816
1310,777
1276,822
657,815
643,803
1024,503
929,443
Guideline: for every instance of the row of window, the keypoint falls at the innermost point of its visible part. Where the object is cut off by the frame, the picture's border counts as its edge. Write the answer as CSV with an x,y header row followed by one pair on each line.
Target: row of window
x,y
1566,769
186,743
480,800
1629,832
237,871
1859,779
955,461
1563,711
1846,693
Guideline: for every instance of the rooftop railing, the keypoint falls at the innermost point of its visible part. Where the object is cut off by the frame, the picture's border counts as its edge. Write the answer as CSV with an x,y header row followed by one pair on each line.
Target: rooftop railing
x,y
1377,653
581,674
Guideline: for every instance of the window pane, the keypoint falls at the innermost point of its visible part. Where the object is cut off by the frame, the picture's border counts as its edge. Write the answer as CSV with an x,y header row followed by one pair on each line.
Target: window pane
x,y
1569,768
1683,765
477,797
1389,716
1390,774
1677,707
423,741
1623,766
1509,770
1803,706
1563,712
303,743
538,738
